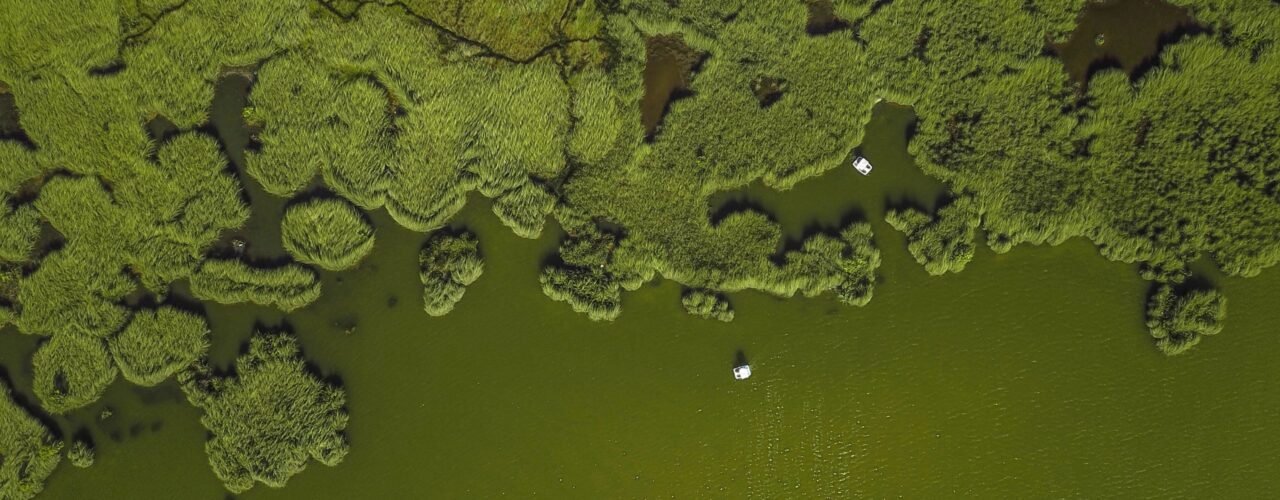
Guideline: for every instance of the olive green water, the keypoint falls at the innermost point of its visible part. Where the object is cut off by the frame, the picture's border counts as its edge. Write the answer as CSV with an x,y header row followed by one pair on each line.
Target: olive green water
x,y
1030,374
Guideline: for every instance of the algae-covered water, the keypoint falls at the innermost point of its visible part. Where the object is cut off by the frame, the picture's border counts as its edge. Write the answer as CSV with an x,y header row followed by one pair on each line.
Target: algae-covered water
x,y
1030,374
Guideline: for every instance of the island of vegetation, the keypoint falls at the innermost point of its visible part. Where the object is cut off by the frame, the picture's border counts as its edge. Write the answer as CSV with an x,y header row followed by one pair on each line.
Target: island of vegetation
x,y
617,121
327,232
449,262
269,419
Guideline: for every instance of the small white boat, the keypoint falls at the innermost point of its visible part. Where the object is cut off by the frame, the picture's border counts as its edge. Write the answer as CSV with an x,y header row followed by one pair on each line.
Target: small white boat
x,y
742,372
862,165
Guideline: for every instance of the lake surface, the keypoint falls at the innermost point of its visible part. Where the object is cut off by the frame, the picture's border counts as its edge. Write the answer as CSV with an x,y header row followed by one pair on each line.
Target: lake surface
x,y
1030,374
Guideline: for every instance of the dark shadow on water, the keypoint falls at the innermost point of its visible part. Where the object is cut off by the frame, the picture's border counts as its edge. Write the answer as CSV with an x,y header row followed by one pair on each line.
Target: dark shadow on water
x,y
33,409
739,359
738,203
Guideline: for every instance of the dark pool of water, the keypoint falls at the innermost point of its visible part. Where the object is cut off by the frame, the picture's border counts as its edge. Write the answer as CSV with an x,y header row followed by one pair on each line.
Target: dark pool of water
x,y
1125,34
668,70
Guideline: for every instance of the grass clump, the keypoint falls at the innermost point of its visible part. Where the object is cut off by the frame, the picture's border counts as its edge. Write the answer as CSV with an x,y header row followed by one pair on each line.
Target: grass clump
x,y
157,343
71,370
29,450
232,281
329,232
942,243
71,294
707,304
269,419
449,262
81,454
1178,319
19,230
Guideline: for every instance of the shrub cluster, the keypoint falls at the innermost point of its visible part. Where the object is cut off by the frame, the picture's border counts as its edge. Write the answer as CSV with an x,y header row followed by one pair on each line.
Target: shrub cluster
x,y
1179,318
449,262
327,232
29,450
232,281
269,419
81,454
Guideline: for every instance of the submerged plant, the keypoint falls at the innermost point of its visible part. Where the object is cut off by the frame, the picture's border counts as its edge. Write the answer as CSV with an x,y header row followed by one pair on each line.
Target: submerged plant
x,y
28,450
271,417
327,232
449,263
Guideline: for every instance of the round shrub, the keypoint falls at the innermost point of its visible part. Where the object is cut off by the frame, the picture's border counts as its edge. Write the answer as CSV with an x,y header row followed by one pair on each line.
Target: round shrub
x,y
158,343
330,233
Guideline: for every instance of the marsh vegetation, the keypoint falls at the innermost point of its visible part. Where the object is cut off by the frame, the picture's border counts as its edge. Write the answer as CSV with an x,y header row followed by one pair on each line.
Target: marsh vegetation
x,y
616,120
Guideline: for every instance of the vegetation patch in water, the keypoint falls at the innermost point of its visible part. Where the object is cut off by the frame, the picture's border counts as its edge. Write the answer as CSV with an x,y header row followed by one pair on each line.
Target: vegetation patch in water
x,y
81,454
943,242
269,419
449,262
707,304
233,281
327,232
1179,318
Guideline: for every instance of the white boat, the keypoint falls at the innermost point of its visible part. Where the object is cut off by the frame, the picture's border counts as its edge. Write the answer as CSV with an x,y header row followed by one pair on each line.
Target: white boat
x,y
742,372
862,165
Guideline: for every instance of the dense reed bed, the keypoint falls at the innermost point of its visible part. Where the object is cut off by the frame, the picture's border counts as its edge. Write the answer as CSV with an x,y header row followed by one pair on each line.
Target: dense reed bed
x,y
271,417
327,232
449,262
410,106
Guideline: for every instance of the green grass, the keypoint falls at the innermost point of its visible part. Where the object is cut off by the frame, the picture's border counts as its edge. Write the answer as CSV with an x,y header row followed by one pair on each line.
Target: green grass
x,y
449,262
941,243
19,230
158,343
328,232
232,281
1178,319
269,419
81,454
29,449
73,295
707,305
71,371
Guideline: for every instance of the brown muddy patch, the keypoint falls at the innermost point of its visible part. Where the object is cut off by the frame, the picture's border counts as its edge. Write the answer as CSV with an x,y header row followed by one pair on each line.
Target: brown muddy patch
x,y
822,18
768,90
668,71
1125,34
9,126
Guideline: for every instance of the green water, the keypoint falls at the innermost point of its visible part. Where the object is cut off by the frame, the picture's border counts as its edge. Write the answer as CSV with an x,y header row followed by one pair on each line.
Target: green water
x,y
1030,374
